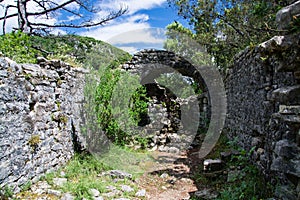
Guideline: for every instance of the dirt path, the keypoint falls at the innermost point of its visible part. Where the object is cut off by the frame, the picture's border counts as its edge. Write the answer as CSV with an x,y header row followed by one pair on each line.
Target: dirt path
x,y
171,177
166,177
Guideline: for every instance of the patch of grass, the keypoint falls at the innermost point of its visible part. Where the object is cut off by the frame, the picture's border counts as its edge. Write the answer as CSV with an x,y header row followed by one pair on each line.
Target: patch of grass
x,y
84,164
6,192
83,172
126,159
26,186
49,177
249,182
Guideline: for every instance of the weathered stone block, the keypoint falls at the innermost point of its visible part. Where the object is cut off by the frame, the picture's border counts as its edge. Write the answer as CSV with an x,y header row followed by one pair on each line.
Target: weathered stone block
x,y
285,149
285,16
212,165
289,95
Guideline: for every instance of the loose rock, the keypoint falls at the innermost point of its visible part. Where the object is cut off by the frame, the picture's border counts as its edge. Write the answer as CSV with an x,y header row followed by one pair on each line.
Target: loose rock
x,y
59,181
141,193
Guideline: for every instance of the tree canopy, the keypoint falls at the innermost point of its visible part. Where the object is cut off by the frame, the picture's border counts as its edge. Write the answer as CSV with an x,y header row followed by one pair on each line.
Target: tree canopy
x,y
225,27
81,14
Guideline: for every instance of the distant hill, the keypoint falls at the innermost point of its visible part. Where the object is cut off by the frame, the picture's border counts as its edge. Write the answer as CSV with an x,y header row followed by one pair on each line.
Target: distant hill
x,y
76,50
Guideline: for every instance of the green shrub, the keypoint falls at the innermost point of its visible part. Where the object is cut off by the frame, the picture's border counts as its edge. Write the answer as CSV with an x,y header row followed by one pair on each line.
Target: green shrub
x,y
111,98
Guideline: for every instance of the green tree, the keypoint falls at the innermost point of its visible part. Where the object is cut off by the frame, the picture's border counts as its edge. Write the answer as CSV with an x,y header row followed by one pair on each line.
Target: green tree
x,y
181,41
225,27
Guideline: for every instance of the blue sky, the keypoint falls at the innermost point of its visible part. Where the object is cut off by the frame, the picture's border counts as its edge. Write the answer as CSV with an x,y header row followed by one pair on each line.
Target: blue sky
x,y
142,27
143,24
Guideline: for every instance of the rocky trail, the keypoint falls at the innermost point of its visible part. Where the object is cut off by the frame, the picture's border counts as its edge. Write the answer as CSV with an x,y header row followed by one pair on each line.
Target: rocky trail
x,y
170,180
168,177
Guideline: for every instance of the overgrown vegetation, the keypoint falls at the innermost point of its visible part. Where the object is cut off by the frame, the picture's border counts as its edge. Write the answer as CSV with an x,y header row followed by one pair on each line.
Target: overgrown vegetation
x,y
6,192
81,173
245,181
85,172
18,47
117,103
226,27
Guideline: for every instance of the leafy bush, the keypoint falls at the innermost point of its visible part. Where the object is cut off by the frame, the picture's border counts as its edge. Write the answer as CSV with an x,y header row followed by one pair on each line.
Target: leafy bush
x,y
247,185
139,107
111,97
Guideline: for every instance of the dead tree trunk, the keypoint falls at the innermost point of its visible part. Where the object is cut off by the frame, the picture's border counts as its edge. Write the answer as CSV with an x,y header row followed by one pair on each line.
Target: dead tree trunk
x,y
22,16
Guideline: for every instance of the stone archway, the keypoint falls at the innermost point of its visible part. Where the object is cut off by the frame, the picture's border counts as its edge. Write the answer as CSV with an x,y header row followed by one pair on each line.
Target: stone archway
x,y
149,65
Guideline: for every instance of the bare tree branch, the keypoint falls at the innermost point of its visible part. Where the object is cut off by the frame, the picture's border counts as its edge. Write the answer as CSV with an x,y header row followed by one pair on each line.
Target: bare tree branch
x,y
92,10
41,4
70,11
6,17
86,24
52,9
49,8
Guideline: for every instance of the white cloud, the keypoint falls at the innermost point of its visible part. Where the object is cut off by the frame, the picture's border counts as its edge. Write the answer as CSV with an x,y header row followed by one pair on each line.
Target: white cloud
x,y
141,36
131,29
125,31
132,5
130,34
116,27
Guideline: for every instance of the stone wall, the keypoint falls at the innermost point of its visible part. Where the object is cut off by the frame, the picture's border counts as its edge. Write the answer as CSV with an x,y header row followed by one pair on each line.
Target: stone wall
x,y
263,90
39,118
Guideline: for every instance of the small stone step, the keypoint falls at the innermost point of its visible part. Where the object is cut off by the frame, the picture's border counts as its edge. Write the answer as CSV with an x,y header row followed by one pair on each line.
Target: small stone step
x,y
212,165
226,156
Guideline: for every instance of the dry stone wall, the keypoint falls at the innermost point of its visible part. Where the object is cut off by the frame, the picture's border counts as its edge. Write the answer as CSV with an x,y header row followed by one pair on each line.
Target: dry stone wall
x,y
263,91
40,109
